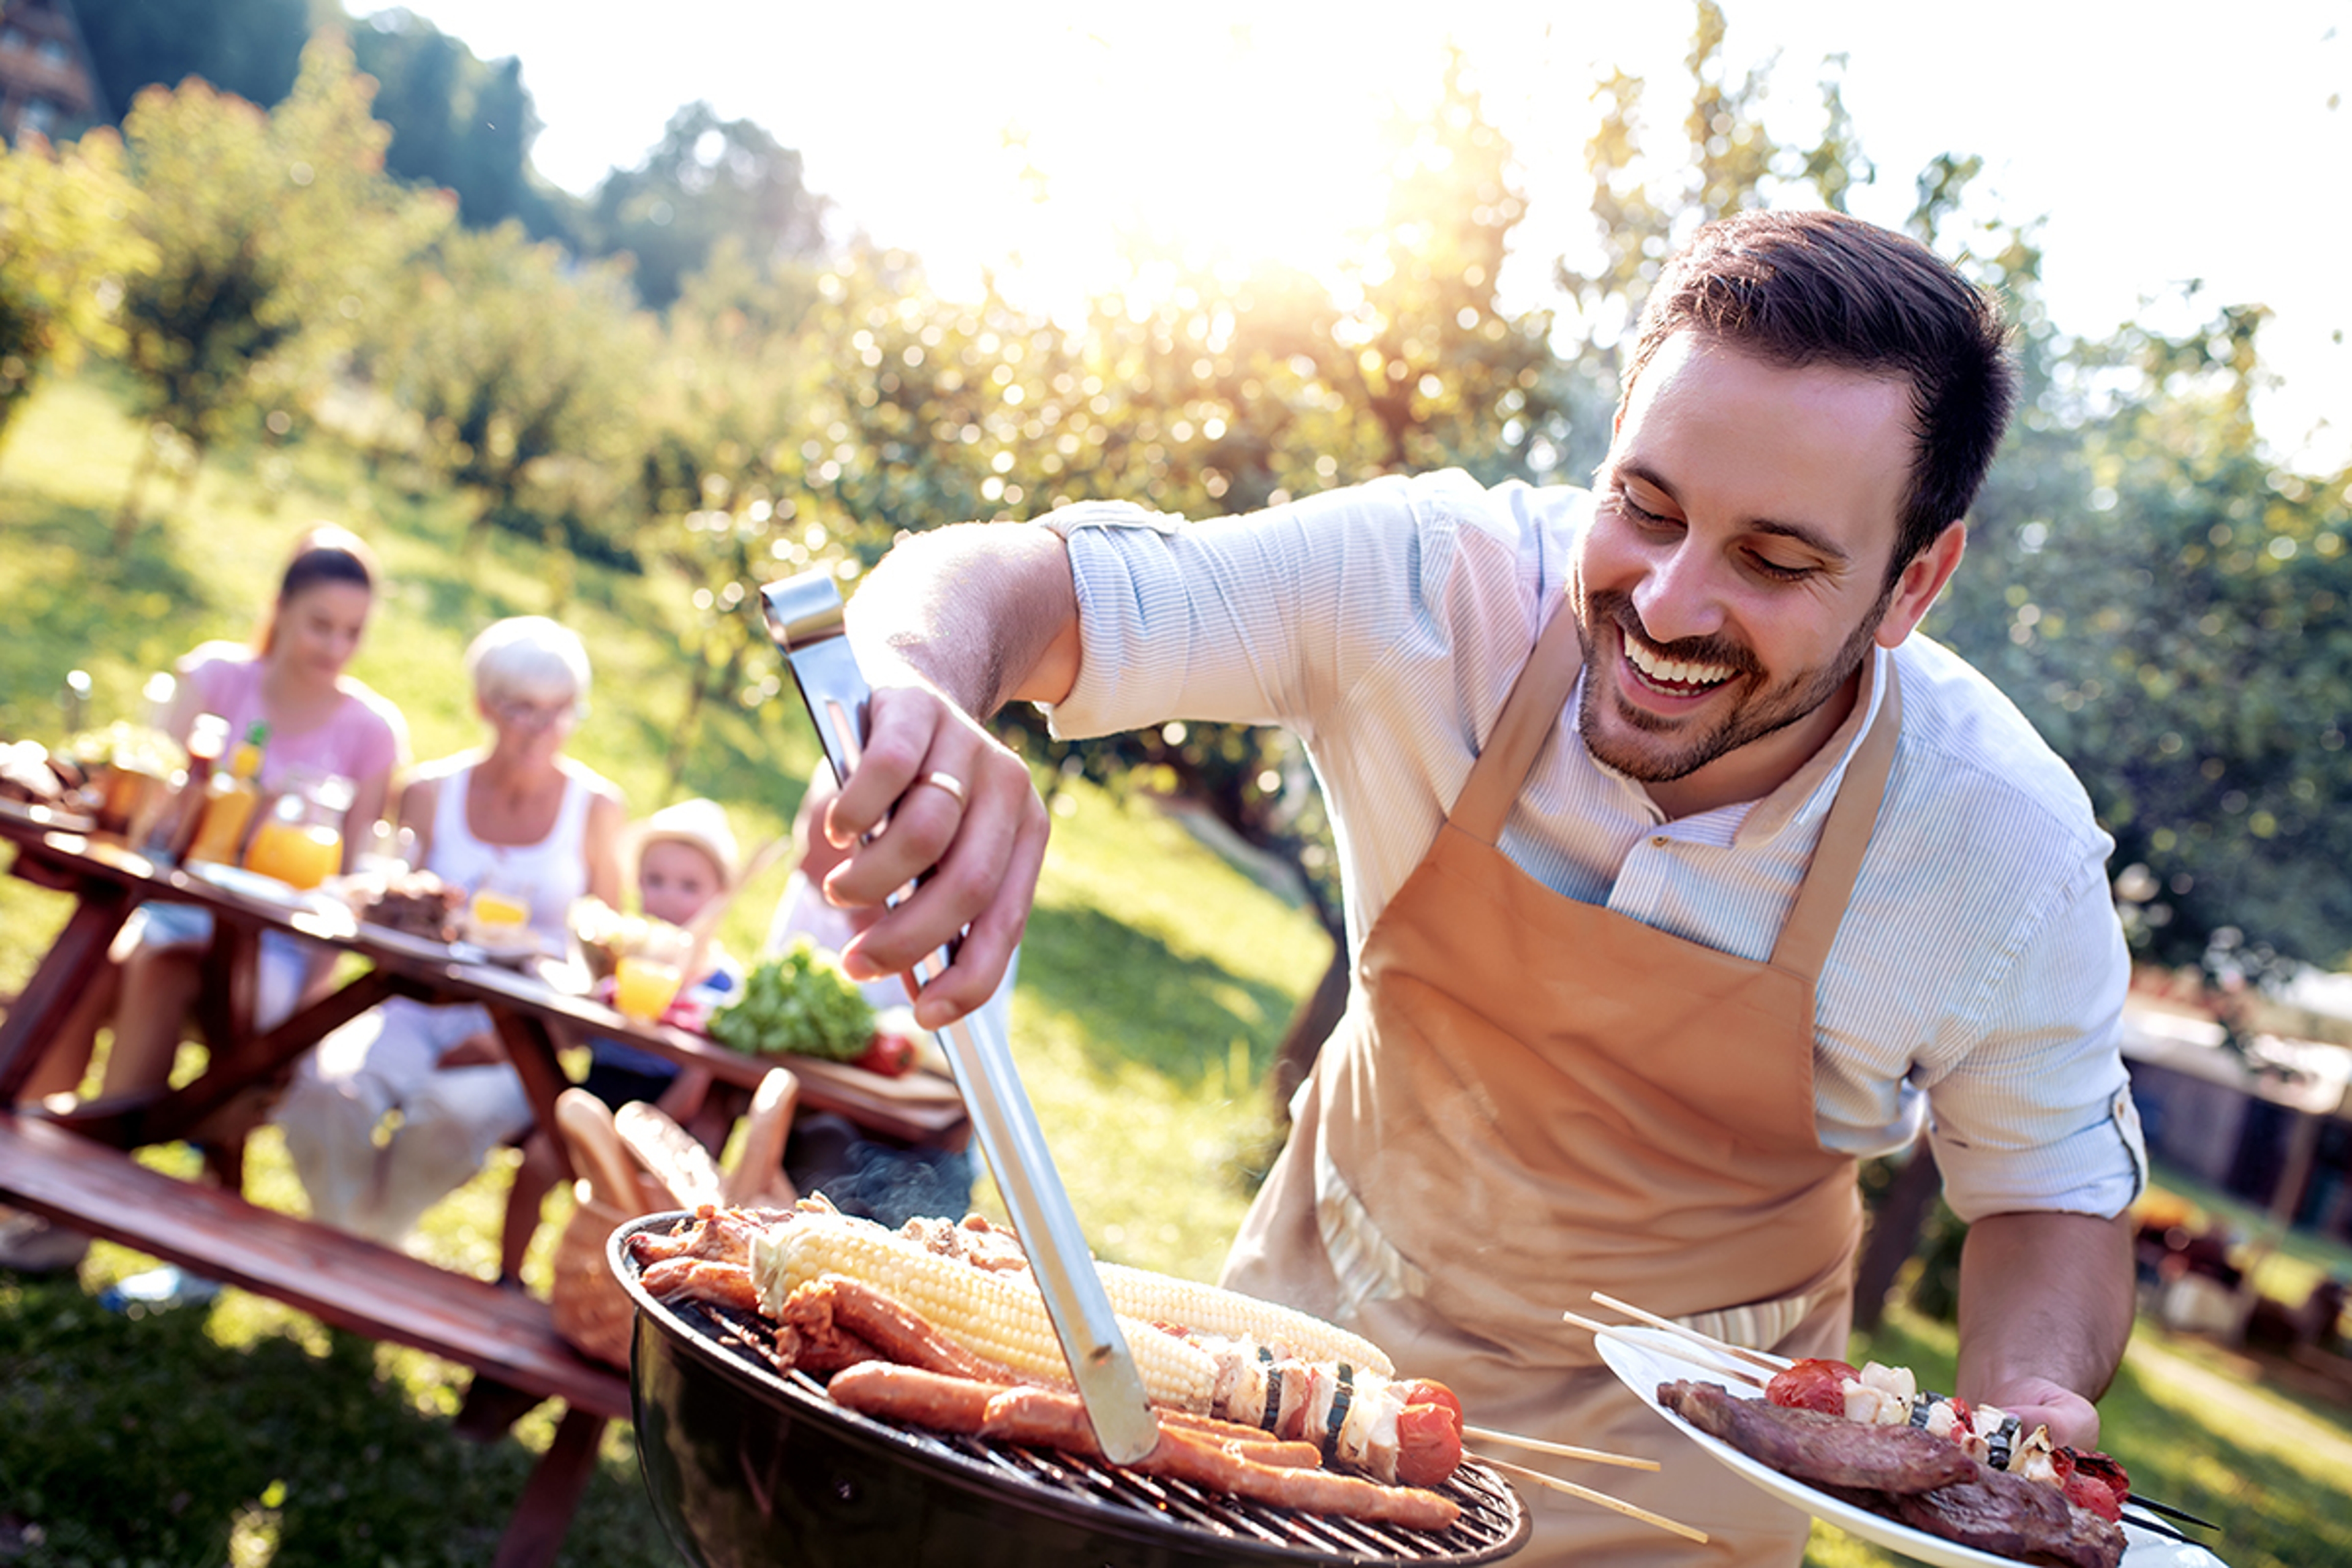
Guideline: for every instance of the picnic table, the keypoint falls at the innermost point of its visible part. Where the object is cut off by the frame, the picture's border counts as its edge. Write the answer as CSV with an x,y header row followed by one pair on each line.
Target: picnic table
x,y
77,1167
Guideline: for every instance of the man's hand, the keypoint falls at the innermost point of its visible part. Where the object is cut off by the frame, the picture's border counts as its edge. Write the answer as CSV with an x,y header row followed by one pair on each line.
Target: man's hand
x,y
951,624
2045,1309
943,800
2072,1420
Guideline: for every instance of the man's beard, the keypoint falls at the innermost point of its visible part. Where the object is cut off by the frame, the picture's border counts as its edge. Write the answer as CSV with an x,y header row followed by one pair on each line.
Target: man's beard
x,y
1749,718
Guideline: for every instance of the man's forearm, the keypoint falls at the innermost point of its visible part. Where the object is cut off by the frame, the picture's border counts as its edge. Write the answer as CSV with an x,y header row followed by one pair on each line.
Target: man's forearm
x,y
985,613
2045,1296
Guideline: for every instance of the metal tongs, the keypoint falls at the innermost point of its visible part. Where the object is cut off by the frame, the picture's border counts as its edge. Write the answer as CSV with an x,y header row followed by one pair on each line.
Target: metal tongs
x,y
805,617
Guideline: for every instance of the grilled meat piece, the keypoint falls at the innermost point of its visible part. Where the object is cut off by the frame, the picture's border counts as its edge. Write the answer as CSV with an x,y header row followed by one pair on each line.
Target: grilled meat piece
x,y
1825,1451
2012,1517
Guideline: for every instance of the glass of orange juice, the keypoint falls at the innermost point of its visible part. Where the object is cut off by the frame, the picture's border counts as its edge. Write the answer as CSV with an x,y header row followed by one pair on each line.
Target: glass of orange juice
x,y
498,917
645,985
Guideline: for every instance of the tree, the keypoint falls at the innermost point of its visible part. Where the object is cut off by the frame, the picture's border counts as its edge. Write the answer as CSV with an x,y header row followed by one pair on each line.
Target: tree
x,y
273,233
2169,607
459,124
728,409
1451,378
252,49
1644,205
67,247
706,179
521,371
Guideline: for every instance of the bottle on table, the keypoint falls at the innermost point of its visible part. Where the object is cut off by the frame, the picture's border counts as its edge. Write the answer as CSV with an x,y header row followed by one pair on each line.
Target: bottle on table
x,y
207,738
229,801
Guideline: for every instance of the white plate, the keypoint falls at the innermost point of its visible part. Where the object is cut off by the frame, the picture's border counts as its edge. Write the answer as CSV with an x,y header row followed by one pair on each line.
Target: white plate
x,y
1644,1358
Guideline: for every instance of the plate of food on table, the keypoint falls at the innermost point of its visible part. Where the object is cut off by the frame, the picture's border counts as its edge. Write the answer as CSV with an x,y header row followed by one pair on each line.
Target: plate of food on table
x,y
410,911
1870,1450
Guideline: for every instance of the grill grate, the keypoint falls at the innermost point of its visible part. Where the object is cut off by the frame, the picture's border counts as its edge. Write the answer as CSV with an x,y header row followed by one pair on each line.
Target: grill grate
x,y
1492,1524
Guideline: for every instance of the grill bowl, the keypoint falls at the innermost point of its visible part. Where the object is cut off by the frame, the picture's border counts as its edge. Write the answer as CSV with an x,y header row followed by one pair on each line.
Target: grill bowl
x,y
747,1465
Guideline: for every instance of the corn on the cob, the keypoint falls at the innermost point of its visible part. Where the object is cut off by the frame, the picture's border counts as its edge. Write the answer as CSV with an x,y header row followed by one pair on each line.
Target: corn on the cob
x,y
997,1315
1163,1298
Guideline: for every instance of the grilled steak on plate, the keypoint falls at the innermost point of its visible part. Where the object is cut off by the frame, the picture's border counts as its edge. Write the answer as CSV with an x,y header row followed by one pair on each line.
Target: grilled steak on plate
x,y
1925,1482
1826,1450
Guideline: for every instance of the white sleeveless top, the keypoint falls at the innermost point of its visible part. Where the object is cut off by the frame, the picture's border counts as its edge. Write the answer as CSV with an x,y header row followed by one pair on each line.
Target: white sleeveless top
x,y
548,874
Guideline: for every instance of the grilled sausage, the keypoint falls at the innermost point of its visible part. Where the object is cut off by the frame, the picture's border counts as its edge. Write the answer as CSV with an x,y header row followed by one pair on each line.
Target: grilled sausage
x,y
1051,1418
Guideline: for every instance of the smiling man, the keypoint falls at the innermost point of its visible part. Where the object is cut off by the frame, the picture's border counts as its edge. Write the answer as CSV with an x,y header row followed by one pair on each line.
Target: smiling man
x,y
1680,871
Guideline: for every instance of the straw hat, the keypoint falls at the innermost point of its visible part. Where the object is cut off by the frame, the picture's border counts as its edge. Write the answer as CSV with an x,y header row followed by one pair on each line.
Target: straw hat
x,y
699,823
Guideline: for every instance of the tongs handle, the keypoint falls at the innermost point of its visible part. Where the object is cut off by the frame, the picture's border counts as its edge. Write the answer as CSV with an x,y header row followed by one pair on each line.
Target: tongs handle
x,y
805,617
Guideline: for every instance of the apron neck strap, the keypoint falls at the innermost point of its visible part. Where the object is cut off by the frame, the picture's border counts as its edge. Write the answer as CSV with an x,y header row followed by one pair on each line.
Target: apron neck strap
x,y
1812,923
1529,714
1534,707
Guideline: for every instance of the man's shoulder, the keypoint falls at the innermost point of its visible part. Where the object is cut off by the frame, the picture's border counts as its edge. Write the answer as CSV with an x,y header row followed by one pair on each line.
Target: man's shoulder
x,y
1453,498
1445,499
1978,757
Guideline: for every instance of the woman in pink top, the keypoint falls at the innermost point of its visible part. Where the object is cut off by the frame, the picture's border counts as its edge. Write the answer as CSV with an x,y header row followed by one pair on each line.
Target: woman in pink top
x,y
321,721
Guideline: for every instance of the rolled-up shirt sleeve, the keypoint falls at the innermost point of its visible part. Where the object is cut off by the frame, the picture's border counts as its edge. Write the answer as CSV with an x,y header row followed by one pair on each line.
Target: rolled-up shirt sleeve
x,y
1267,618
2035,1111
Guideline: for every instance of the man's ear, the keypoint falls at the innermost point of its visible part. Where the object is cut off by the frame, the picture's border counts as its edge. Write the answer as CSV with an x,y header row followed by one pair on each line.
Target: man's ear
x,y
1922,580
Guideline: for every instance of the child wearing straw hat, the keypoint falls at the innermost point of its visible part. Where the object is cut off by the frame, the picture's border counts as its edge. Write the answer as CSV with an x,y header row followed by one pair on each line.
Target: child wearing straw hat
x,y
681,859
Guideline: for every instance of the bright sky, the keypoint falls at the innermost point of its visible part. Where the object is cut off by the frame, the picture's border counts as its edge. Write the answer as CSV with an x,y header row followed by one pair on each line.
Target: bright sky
x,y
2161,141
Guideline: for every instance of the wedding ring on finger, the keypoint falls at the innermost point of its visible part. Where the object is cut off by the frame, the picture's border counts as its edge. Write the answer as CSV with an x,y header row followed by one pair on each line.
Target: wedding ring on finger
x,y
950,783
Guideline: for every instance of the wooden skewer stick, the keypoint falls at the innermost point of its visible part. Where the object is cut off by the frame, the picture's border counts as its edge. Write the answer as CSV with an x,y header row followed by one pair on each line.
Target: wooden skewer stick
x,y
1604,1499
1718,1363
1561,1450
1763,1359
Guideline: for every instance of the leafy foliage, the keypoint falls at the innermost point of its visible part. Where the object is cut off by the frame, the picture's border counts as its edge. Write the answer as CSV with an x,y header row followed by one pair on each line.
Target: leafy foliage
x,y
706,179
515,369
272,231
459,122
252,49
67,247
2168,606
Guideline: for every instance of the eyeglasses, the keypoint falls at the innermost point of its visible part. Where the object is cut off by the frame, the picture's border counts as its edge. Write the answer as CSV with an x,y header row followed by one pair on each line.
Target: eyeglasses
x,y
525,715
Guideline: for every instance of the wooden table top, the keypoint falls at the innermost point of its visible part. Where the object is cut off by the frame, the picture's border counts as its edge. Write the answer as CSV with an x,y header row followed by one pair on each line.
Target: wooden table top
x,y
918,1108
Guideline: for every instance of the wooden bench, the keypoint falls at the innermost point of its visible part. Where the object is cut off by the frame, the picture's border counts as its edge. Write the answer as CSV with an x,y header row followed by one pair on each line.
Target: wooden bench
x,y
507,1338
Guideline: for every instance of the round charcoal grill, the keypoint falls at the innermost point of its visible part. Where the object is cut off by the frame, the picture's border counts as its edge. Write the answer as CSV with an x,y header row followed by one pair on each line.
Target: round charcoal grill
x,y
748,1466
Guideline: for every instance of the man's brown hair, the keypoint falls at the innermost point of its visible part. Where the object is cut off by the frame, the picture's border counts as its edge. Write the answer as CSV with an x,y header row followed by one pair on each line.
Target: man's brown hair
x,y
1798,289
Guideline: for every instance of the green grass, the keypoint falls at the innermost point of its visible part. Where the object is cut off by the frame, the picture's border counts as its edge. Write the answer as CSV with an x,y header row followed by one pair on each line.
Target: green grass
x,y
1154,985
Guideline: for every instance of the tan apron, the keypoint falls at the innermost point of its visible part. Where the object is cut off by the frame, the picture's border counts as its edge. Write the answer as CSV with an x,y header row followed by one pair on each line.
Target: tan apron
x,y
1532,1097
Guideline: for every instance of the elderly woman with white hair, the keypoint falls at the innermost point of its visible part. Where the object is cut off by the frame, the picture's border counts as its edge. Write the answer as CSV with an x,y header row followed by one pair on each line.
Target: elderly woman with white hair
x,y
520,819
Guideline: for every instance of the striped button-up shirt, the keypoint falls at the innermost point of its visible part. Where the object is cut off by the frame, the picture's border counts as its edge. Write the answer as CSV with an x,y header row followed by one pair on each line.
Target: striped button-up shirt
x,y
1977,982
